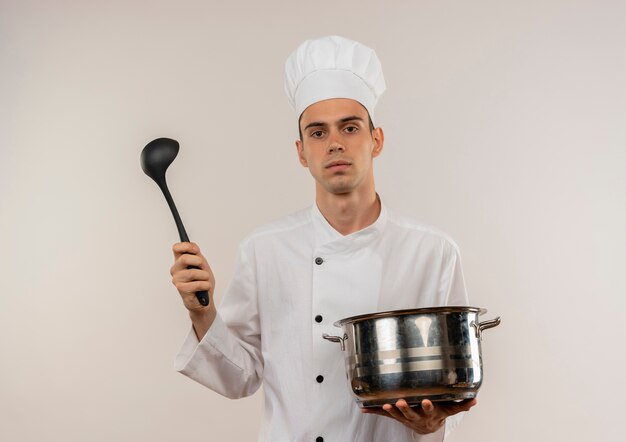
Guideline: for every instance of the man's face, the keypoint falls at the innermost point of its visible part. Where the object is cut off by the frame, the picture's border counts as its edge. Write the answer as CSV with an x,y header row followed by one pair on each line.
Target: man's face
x,y
338,147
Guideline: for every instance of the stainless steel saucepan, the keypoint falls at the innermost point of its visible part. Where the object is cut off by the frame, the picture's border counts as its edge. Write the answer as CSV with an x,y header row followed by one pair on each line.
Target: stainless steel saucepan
x,y
428,353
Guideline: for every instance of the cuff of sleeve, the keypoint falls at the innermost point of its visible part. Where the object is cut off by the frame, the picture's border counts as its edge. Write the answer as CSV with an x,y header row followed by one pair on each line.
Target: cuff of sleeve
x,y
451,423
437,436
217,333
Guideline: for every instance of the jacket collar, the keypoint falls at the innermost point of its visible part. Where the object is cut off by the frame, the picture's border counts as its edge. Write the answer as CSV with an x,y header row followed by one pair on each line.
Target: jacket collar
x,y
330,240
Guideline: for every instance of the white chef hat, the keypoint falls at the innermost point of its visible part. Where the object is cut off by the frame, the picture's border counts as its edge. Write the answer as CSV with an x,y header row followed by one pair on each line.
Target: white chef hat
x,y
333,67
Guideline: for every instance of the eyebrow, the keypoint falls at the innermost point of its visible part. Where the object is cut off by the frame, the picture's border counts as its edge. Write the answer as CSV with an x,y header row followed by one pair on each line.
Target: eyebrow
x,y
342,120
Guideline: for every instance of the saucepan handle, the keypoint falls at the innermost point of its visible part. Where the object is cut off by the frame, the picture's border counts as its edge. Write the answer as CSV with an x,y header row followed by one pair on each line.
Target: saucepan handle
x,y
339,339
485,325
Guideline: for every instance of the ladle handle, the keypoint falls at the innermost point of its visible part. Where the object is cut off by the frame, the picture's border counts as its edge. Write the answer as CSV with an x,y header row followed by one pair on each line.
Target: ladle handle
x,y
203,295
170,202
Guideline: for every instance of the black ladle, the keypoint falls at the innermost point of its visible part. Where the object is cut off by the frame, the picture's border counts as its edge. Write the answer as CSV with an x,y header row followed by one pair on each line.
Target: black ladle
x,y
155,159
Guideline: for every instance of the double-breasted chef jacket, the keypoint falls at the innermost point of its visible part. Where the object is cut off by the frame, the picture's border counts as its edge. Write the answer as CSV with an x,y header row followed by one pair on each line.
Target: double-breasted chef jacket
x,y
293,279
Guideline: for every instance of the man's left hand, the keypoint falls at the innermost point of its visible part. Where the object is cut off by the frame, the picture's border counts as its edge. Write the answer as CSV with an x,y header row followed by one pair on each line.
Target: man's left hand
x,y
424,419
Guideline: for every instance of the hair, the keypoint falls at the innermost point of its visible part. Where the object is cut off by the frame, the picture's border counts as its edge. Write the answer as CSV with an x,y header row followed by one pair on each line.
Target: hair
x,y
369,120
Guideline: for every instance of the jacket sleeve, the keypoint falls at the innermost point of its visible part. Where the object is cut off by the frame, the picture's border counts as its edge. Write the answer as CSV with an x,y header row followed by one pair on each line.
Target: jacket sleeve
x,y
452,283
456,294
228,359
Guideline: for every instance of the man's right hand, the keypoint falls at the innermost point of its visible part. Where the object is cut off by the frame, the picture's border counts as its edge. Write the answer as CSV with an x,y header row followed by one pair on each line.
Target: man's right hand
x,y
189,281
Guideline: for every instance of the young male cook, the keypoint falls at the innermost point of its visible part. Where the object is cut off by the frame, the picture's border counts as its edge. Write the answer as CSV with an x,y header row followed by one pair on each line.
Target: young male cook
x,y
345,255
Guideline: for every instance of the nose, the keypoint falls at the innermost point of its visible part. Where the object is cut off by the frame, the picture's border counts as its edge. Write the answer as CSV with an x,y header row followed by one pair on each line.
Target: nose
x,y
335,147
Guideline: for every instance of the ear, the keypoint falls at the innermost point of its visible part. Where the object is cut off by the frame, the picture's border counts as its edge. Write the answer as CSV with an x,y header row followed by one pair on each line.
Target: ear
x,y
378,136
300,149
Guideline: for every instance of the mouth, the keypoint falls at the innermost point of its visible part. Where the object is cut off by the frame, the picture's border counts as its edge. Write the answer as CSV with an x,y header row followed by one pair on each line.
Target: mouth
x,y
338,165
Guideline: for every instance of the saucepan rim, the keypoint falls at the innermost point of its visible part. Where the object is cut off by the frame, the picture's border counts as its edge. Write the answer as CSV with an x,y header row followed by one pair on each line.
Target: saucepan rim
x,y
412,311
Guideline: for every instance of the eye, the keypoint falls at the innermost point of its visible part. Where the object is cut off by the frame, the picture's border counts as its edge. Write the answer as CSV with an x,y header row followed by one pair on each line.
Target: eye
x,y
317,134
351,129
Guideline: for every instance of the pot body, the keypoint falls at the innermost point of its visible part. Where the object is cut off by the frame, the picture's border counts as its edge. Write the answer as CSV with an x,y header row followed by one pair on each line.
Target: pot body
x,y
429,353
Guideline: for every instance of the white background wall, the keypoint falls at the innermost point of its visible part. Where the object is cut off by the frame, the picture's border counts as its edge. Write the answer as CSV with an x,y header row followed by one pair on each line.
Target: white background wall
x,y
505,124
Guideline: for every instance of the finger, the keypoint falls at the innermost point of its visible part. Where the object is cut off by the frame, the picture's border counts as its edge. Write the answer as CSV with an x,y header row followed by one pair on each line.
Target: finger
x,y
185,247
189,275
188,289
189,262
450,408
406,410
186,260
427,406
394,412
458,407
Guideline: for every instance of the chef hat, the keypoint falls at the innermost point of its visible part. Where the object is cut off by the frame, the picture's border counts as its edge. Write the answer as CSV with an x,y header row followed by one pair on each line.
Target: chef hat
x,y
333,67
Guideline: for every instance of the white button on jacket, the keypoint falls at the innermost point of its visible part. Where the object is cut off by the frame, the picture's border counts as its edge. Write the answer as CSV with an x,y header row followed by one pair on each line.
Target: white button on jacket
x,y
266,329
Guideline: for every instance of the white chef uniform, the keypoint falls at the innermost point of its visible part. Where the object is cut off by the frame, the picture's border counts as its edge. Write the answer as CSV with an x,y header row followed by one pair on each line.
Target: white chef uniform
x,y
293,279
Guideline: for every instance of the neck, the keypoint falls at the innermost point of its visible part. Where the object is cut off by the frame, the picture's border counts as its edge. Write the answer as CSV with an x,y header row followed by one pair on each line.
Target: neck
x,y
351,212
